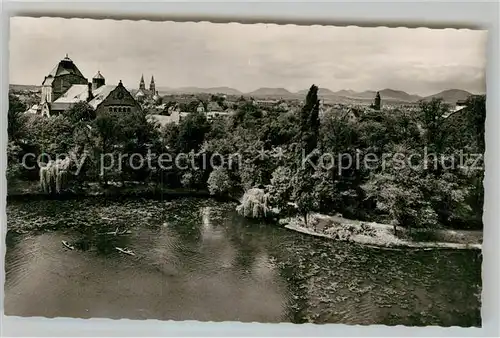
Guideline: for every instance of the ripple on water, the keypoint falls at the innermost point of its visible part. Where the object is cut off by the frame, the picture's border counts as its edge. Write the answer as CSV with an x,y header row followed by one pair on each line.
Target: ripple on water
x,y
197,259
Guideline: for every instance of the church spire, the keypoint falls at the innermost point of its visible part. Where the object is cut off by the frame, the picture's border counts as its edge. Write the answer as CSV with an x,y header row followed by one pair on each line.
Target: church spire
x,y
152,88
142,85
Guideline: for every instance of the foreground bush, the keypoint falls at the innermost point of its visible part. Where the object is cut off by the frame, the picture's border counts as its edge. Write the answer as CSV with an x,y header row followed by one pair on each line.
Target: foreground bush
x,y
254,204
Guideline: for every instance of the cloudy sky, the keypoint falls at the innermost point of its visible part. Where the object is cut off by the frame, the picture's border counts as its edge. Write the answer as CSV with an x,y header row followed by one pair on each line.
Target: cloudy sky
x,y
246,57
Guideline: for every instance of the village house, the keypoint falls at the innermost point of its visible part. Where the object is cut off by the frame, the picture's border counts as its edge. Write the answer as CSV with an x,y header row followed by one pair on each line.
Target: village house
x,y
65,86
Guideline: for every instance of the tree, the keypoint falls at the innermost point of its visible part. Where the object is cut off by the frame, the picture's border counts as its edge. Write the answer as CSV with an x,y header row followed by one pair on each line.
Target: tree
x,y
403,192
15,121
81,112
304,193
476,118
309,120
280,190
192,132
377,103
254,204
170,135
433,114
219,182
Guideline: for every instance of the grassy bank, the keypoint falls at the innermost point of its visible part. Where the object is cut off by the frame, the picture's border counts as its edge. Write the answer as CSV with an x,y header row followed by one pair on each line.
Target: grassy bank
x,y
32,190
382,235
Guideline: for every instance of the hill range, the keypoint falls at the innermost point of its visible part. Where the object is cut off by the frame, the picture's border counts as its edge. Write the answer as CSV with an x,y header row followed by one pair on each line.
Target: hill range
x,y
342,96
388,95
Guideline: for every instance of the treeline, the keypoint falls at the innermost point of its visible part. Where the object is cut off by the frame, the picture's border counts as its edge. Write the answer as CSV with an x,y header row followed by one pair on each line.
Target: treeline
x,y
271,146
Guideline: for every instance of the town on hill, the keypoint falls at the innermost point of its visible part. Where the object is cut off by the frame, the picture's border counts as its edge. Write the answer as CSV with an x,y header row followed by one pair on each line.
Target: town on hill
x,y
237,172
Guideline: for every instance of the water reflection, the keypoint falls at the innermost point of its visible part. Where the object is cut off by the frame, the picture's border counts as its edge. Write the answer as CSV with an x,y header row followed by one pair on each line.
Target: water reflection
x,y
197,259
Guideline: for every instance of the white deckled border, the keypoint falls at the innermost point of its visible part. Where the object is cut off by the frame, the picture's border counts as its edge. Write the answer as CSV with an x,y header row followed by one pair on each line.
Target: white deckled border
x,y
389,14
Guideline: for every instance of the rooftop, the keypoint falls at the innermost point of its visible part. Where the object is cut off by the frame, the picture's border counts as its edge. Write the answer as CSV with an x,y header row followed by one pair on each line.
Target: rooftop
x,y
65,67
98,75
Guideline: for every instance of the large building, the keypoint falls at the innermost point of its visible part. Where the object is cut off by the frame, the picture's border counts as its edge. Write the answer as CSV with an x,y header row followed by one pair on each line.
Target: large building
x,y
144,94
65,85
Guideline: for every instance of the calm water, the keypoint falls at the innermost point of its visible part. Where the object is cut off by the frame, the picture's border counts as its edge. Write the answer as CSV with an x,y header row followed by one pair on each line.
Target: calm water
x,y
197,259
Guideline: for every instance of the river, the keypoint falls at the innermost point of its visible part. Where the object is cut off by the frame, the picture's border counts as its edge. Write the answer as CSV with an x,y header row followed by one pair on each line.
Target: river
x,y
197,259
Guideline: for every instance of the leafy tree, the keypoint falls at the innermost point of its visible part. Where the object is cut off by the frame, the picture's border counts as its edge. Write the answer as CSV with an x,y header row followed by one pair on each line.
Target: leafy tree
x,y
192,179
192,132
219,182
280,190
52,135
15,118
14,166
433,114
476,118
402,192
377,102
304,193
170,135
80,112
309,120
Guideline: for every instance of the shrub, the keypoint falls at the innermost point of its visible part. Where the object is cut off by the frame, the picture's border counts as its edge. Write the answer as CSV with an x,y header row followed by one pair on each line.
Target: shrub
x,y
219,182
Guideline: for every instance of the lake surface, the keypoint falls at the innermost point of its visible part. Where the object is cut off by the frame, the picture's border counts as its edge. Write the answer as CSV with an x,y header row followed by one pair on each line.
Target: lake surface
x,y
196,259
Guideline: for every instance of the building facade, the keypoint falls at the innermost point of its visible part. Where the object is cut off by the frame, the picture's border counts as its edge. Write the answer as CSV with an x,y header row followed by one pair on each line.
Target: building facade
x,y
65,86
60,79
150,94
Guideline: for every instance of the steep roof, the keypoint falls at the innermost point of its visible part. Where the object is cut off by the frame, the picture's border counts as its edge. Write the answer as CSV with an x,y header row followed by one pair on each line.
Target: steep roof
x,y
75,93
78,92
65,67
98,76
100,94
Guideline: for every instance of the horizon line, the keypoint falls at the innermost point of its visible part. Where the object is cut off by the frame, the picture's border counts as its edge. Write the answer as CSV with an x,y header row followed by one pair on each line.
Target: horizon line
x,y
291,92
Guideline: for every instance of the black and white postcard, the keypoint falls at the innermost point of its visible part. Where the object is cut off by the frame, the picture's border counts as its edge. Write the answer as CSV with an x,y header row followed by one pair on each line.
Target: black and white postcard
x,y
245,172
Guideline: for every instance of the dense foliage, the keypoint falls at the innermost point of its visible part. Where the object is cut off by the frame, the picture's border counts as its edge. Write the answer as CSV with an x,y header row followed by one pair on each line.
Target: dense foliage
x,y
284,153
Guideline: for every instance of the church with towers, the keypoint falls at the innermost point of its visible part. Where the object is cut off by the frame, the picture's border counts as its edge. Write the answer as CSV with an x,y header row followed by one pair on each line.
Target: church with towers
x,y
65,86
144,94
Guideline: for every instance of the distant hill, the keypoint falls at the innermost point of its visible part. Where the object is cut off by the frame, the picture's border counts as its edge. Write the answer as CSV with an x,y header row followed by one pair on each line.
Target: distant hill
x,y
224,90
367,94
398,95
321,92
385,94
346,93
271,92
450,95
197,90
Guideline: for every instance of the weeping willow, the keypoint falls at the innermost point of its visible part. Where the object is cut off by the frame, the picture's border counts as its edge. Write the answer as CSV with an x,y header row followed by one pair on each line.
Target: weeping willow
x,y
53,176
254,204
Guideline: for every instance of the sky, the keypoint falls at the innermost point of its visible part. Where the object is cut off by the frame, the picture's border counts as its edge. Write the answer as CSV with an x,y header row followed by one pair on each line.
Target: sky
x,y
248,56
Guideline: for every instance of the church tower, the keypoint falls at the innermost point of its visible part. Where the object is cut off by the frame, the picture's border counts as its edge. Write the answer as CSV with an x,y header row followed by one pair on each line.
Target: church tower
x,y
152,88
98,81
60,79
142,85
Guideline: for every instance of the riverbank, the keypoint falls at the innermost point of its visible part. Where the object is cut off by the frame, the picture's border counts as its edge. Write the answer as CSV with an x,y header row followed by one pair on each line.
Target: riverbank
x,y
220,266
31,190
332,227
382,235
